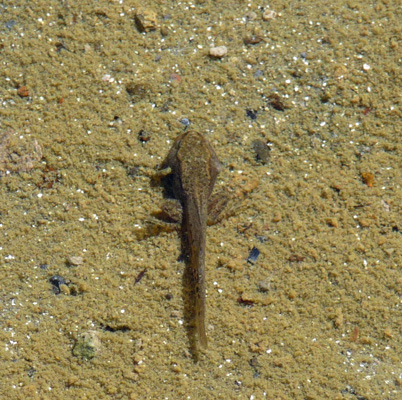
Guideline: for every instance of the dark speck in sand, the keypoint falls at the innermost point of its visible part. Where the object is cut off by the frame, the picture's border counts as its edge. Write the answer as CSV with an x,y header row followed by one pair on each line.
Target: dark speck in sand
x,y
9,24
258,73
144,136
251,114
56,281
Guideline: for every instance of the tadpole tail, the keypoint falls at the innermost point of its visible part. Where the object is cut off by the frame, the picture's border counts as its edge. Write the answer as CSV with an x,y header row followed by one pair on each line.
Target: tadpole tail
x,y
200,313
196,227
198,275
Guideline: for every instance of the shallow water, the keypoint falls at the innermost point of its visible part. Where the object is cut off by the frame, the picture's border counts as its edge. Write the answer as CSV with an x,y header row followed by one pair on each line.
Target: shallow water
x,y
104,103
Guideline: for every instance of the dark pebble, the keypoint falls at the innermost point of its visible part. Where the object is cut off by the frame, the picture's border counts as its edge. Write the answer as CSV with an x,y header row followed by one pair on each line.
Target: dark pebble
x,y
252,257
251,114
56,281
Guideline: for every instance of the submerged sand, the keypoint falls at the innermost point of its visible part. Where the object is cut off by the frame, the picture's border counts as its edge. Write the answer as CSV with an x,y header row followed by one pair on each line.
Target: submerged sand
x,y
89,108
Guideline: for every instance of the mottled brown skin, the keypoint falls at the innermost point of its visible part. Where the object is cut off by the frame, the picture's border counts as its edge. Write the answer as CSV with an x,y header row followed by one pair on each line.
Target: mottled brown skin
x,y
194,167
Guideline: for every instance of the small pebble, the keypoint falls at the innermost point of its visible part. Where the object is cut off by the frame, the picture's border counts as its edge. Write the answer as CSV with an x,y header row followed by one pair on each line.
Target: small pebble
x,y
218,52
146,20
355,334
165,30
176,368
368,178
23,91
56,282
277,217
185,121
75,260
251,16
251,114
176,314
252,257
87,345
249,40
333,222
390,251
269,14
275,101
262,151
265,285
175,78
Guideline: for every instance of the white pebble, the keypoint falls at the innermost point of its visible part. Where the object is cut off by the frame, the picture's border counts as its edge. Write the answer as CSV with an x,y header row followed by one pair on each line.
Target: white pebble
x,y
218,52
268,14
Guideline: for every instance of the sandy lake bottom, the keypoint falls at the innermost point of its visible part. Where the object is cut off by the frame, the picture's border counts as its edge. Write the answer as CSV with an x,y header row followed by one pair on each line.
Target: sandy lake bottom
x,y
303,106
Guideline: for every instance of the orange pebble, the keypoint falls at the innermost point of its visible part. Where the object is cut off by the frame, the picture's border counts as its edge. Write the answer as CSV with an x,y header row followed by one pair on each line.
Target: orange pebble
x,y
23,91
368,178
